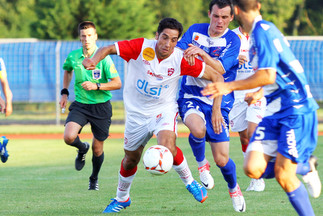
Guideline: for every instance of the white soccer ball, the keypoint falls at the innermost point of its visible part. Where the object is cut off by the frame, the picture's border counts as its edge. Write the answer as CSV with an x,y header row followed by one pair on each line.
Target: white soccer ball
x,y
158,160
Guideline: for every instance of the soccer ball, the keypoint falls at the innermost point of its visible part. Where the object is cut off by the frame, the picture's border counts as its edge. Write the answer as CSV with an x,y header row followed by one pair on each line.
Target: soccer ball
x,y
158,160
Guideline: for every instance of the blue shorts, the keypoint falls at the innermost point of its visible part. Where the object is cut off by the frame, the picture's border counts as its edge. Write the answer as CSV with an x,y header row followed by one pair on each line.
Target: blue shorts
x,y
188,106
295,137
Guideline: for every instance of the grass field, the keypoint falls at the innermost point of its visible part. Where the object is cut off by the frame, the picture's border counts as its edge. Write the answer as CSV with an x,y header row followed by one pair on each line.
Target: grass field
x,y
39,179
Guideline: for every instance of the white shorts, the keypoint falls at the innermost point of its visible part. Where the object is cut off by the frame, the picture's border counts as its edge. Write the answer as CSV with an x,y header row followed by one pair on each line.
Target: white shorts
x,y
139,128
241,114
268,147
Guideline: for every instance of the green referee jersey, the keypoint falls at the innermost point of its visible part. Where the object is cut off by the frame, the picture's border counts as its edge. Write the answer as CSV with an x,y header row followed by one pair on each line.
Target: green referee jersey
x,y
104,71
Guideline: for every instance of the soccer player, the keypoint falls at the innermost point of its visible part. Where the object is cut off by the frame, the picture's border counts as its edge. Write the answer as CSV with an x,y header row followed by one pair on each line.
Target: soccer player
x,y
219,46
5,107
154,70
287,135
92,100
243,118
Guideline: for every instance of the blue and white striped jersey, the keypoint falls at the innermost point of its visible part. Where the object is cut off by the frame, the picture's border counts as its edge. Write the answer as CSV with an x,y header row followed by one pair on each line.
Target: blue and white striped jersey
x,y
290,94
224,48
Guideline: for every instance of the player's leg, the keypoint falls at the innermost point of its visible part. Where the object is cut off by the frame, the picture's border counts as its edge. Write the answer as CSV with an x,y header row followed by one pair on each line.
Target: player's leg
x,y
100,120
193,118
136,136
165,130
3,149
127,173
73,126
285,173
97,161
220,151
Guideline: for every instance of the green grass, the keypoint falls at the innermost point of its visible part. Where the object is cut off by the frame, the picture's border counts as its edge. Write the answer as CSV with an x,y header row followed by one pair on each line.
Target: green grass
x,y
39,179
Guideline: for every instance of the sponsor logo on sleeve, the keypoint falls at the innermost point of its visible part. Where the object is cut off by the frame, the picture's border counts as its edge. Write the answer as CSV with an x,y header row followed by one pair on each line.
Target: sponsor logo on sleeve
x,y
148,54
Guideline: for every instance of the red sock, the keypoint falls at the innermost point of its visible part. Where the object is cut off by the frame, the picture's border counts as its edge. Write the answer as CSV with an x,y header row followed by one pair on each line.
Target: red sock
x,y
179,158
127,173
244,148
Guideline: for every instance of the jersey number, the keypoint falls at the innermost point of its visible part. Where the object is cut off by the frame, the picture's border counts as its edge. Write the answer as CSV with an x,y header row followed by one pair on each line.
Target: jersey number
x,y
260,134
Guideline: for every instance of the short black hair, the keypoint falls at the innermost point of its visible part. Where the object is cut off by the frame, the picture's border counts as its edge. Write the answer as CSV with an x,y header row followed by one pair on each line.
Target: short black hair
x,y
85,25
246,5
170,23
221,4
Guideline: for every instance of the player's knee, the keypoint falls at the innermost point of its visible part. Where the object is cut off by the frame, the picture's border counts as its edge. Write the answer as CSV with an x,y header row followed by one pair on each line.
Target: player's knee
x,y
221,161
199,132
69,139
251,171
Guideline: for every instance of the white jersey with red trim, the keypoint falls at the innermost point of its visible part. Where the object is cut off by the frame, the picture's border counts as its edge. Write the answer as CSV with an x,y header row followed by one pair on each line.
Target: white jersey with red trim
x,y
151,85
244,71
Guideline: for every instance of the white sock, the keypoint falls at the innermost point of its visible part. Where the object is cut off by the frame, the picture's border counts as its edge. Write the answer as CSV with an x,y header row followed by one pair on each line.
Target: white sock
x,y
124,186
184,172
202,163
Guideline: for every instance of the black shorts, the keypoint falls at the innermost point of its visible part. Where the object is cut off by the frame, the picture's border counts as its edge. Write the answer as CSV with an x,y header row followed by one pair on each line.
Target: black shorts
x,y
98,115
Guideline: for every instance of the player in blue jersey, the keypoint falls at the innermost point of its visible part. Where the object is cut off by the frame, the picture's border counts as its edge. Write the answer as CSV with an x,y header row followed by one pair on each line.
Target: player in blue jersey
x,y
208,119
5,107
286,137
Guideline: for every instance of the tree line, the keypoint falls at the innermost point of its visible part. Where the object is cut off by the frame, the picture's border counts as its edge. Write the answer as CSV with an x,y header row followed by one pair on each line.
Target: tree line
x,y
125,19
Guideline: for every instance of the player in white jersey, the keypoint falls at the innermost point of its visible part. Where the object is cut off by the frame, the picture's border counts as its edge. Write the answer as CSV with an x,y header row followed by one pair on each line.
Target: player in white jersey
x,y
287,135
243,118
154,70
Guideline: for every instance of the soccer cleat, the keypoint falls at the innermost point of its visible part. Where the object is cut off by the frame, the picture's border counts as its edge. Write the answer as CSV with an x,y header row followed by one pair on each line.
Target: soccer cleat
x,y
115,206
312,179
3,149
80,158
93,184
238,201
205,176
256,185
198,191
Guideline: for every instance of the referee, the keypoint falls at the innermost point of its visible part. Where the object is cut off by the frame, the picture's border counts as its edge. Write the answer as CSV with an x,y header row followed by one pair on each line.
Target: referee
x,y
92,100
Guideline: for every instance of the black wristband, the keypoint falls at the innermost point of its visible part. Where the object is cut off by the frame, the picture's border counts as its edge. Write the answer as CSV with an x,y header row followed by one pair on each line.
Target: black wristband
x,y
65,91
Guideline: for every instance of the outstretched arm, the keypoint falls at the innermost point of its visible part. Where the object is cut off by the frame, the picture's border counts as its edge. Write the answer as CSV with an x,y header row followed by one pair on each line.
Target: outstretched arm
x,y
90,63
260,78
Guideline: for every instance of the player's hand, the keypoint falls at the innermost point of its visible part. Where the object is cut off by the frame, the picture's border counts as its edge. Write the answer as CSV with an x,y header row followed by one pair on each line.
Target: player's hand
x,y
63,101
89,64
253,97
216,89
242,59
88,86
2,105
217,121
8,110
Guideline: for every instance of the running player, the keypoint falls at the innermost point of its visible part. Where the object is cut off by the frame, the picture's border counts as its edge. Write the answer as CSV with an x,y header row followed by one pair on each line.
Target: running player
x,y
154,70
216,43
243,118
287,135
92,100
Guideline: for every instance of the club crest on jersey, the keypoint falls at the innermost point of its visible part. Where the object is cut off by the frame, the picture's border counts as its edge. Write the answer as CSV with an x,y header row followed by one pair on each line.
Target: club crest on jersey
x,y
171,71
148,54
96,74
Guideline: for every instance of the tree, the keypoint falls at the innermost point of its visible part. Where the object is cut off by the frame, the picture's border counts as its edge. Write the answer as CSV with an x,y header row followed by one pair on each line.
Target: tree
x,y
16,17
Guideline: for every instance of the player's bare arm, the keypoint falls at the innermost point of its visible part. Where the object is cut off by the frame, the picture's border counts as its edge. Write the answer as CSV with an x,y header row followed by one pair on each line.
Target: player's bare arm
x,y
66,83
253,97
90,63
193,51
260,78
114,84
8,95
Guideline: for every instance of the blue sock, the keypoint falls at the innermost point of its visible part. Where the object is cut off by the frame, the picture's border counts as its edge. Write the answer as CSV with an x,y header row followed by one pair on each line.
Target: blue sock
x,y
300,201
270,170
303,168
198,147
229,173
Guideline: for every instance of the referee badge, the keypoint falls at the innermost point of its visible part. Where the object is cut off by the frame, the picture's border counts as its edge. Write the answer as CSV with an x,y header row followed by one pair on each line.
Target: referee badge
x,y
96,74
